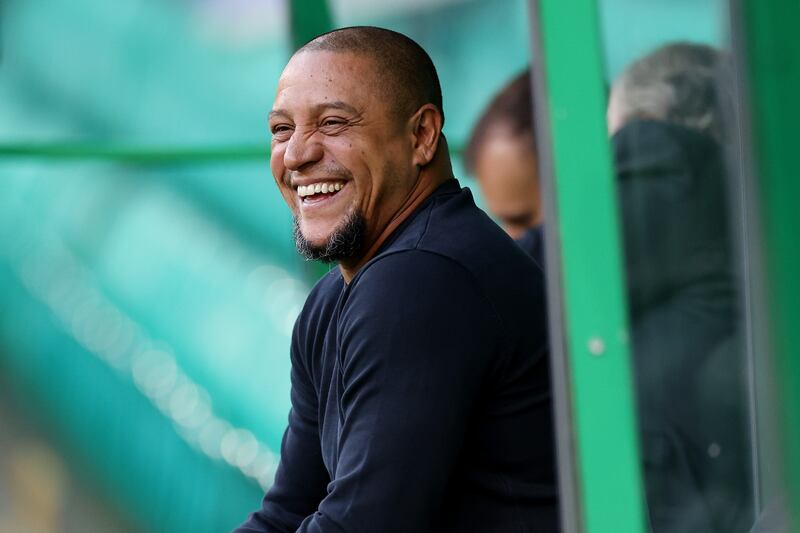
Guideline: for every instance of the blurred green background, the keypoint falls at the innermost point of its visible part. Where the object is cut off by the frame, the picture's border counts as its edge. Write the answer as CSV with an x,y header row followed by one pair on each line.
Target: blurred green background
x,y
148,281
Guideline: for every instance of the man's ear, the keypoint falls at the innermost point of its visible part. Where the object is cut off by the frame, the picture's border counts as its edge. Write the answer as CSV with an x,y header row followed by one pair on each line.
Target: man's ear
x,y
426,130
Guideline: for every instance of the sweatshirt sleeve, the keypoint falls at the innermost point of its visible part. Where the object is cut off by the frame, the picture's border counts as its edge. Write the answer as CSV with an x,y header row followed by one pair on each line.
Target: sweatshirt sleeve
x,y
301,477
416,338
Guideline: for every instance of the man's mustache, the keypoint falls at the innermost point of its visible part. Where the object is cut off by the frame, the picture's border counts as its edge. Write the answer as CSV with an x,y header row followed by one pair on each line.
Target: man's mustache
x,y
321,172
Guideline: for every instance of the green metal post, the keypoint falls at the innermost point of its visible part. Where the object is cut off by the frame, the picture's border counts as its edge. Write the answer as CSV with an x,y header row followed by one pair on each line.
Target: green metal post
x,y
600,469
772,69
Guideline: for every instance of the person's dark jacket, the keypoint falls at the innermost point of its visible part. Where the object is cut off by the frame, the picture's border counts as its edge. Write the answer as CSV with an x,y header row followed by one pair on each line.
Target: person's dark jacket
x,y
421,390
684,319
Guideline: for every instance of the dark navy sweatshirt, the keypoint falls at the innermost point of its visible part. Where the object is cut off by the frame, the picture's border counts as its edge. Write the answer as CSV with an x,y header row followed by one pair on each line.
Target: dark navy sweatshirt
x,y
420,390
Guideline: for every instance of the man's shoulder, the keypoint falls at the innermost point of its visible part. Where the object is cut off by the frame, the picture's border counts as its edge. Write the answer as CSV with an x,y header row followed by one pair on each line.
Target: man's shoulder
x,y
412,290
451,234
458,229
511,282
453,226
406,268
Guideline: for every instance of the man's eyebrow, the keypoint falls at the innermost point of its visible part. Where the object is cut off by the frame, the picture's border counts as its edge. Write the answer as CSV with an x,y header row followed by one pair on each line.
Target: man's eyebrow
x,y
336,105
319,108
278,113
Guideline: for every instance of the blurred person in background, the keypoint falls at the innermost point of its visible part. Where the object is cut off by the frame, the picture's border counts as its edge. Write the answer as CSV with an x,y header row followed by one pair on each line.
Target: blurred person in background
x,y
420,382
676,84
501,154
665,115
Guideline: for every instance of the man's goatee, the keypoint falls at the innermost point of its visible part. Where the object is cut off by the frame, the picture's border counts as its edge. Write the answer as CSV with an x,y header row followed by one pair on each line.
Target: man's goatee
x,y
346,242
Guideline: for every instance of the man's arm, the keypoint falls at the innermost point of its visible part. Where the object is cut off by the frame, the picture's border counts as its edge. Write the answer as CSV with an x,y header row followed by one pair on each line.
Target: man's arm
x,y
301,477
416,338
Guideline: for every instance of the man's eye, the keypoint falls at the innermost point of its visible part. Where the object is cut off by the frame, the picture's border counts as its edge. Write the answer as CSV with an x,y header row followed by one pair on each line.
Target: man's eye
x,y
281,131
332,122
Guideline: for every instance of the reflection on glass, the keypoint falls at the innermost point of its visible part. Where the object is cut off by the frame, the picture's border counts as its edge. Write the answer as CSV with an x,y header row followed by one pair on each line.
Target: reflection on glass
x,y
668,115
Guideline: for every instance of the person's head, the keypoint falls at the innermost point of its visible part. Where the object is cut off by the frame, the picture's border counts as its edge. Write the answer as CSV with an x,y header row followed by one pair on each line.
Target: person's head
x,y
358,113
501,155
677,83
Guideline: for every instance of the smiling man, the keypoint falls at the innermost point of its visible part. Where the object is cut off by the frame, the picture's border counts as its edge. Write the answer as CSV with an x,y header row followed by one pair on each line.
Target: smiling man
x,y
420,382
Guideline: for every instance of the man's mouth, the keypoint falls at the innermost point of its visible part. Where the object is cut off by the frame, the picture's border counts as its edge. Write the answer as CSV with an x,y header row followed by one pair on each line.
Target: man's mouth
x,y
320,190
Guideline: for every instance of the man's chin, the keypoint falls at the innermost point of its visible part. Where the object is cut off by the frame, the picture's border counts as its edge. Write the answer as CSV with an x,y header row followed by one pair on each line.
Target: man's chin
x,y
314,238
341,244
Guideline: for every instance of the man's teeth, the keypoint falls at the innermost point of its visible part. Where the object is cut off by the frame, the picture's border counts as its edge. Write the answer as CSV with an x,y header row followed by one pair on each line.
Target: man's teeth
x,y
324,187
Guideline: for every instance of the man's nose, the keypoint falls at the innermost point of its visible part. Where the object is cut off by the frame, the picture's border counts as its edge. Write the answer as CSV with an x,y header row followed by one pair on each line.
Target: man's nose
x,y
301,150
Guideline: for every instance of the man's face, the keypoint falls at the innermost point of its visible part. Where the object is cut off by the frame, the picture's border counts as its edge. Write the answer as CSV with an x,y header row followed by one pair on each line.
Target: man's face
x,y
339,149
506,170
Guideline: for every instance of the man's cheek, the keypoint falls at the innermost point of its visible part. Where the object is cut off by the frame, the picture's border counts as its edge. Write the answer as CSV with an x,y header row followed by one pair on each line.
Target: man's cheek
x,y
276,164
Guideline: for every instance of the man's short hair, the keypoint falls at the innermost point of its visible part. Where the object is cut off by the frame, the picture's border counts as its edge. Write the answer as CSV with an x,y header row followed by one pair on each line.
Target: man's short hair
x,y
409,75
511,108
679,83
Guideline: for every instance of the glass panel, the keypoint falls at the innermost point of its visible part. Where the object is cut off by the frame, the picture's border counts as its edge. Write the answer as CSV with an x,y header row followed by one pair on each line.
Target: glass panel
x,y
673,119
599,474
765,34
